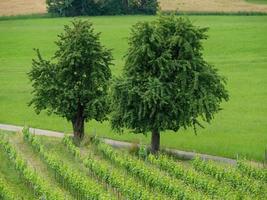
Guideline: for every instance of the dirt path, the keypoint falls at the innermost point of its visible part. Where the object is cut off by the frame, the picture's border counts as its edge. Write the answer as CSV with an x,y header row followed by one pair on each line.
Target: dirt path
x,y
121,144
13,128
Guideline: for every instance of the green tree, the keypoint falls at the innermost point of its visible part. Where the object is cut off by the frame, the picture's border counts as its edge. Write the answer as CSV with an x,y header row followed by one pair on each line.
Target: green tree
x,y
166,83
101,7
74,83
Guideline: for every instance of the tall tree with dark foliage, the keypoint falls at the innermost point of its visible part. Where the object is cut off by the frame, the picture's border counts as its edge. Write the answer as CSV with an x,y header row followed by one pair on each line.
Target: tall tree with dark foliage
x,y
166,83
74,84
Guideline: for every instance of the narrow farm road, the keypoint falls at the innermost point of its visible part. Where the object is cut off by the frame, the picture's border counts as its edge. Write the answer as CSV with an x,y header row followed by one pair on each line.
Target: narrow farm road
x,y
120,144
13,128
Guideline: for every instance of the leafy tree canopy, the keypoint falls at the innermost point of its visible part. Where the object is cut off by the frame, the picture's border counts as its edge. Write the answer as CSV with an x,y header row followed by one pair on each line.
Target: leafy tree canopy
x,y
74,83
166,83
101,7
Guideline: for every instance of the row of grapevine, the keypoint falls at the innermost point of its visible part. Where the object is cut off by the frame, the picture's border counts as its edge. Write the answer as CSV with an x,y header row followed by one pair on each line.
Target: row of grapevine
x,y
5,192
237,181
258,174
149,176
38,185
191,178
71,147
81,187
124,185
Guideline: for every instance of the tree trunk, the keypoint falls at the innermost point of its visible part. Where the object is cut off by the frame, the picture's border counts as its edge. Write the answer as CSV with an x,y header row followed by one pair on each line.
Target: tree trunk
x,y
125,3
155,141
125,6
143,2
78,124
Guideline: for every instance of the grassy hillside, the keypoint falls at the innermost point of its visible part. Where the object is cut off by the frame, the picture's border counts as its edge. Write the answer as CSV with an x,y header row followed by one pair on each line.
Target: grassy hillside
x,y
97,171
236,46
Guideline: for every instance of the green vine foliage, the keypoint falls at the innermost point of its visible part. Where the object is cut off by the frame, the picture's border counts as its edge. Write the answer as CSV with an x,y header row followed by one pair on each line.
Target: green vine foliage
x,y
243,184
124,185
5,192
78,185
67,141
166,83
247,170
40,187
190,177
149,175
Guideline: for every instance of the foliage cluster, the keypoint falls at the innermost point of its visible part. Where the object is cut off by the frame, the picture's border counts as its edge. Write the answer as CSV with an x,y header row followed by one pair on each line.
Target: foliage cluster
x,y
5,192
224,182
252,172
126,176
166,83
190,177
40,187
123,185
75,85
101,7
149,176
79,186
242,183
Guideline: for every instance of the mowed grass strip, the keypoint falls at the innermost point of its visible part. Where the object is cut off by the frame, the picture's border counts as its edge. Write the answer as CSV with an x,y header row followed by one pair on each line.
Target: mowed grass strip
x,y
236,46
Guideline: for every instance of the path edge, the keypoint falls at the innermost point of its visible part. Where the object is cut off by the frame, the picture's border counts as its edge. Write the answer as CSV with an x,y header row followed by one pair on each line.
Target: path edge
x,y
185,155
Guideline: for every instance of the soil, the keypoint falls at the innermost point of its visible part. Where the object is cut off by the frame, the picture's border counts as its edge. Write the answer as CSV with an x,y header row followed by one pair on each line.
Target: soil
x,y
22,7
212,6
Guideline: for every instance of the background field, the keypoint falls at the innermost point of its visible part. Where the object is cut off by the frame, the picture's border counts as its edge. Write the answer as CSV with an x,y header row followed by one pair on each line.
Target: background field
x,y
215,5
258,1
18,7
236,46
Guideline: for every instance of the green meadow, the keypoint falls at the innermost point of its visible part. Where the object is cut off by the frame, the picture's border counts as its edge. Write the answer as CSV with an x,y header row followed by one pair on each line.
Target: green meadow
x,y
236,46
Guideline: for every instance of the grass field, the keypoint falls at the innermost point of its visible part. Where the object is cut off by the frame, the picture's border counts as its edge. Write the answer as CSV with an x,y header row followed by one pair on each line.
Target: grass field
x,y
97,171
236,46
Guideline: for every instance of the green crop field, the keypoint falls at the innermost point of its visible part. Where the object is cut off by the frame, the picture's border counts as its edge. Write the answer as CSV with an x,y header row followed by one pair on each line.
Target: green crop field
x,y
236,46
52,168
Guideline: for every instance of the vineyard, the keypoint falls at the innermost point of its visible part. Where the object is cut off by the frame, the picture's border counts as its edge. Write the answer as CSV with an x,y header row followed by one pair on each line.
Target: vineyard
x,y
56,169
161,78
